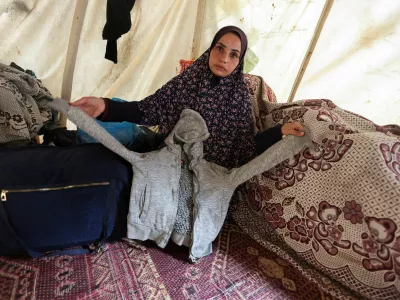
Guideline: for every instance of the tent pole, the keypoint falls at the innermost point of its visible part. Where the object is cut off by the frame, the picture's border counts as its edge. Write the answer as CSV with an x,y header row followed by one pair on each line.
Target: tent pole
x,y
74,37
311,47
198,29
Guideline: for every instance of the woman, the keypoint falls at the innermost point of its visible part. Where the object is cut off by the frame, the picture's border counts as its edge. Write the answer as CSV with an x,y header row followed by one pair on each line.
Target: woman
x,y
213,86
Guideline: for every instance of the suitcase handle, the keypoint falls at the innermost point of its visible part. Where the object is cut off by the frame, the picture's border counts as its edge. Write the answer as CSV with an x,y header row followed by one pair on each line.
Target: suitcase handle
x,y
110,200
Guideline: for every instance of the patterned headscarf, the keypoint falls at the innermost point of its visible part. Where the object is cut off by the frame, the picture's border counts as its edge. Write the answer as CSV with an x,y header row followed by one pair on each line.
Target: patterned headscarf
x,y
224,103
240,34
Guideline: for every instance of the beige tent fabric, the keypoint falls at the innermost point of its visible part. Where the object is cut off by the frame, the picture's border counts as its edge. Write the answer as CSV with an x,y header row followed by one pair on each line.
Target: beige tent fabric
x,y
161,34
356,62
38,32
35,35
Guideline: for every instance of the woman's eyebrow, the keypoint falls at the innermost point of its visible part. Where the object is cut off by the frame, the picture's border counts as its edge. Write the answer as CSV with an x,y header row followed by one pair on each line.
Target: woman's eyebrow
x,y
219,43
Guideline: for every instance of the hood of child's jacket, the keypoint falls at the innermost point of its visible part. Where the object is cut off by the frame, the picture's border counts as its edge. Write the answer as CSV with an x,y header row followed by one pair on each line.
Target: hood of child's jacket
x,y
191,128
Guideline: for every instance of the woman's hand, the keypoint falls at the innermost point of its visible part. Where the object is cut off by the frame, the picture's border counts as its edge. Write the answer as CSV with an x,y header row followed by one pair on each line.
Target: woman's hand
x,y
293,129
93,106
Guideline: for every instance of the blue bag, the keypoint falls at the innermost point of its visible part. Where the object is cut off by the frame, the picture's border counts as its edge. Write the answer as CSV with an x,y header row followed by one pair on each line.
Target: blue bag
x,y
124,132
56,198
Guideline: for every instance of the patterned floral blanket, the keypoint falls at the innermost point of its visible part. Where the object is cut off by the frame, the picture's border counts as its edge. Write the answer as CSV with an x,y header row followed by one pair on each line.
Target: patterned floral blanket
x,y
23,109
337,208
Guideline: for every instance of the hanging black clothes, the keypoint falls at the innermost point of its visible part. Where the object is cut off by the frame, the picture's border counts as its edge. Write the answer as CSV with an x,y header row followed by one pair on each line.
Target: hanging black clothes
x,y
118,23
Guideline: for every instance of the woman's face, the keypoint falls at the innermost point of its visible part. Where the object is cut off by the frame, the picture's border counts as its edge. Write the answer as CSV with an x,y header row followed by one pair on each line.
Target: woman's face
x,y
225,55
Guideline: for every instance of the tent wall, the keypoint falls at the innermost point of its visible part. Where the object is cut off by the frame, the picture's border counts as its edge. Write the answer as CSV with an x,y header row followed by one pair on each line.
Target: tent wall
x,y
354,62
38,32
35,35
161,34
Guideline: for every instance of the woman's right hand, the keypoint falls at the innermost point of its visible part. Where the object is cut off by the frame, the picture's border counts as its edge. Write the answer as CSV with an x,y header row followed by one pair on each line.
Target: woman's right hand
x,y
93,106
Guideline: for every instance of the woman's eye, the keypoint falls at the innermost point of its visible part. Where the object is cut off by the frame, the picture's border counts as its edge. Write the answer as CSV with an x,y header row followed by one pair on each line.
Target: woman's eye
x,y
220,48
234,55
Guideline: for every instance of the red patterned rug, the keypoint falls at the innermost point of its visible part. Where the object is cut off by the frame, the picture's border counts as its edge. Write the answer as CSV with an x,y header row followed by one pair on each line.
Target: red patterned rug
x,y
239,269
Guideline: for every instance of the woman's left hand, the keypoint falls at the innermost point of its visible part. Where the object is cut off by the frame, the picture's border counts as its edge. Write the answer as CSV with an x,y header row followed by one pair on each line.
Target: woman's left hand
x,y
293,129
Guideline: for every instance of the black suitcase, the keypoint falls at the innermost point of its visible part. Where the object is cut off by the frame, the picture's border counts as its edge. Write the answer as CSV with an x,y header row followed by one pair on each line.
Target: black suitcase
x,y
54,198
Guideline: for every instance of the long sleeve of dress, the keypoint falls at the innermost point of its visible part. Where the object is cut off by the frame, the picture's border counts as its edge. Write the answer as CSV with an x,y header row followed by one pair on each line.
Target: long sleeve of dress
x,y
156,109
267,138
121,111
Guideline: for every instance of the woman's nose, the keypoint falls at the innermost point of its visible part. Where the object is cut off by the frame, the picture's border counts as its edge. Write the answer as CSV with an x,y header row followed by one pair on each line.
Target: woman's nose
x,y
223,58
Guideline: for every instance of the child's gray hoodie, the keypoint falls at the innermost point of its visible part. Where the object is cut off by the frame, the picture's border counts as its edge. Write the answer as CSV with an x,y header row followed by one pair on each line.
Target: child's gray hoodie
x,y
155,185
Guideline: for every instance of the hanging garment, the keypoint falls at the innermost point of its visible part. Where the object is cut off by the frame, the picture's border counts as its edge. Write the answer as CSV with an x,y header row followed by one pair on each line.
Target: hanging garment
x,y
118,23
155,186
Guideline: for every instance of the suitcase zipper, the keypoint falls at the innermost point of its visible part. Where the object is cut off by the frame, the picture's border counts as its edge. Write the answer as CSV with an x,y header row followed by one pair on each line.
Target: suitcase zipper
x,y
4,192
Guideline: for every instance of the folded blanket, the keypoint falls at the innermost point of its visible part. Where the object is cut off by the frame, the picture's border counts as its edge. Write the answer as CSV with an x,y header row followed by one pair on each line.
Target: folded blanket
x,y
339,207
23,107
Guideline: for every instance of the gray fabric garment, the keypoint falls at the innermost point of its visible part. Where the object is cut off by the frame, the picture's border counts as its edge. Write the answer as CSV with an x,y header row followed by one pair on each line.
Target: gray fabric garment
x,y
22,105
155,194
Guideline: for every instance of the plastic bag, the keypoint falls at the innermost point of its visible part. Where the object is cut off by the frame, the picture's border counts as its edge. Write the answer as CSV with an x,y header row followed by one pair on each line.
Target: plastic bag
x,y
124,132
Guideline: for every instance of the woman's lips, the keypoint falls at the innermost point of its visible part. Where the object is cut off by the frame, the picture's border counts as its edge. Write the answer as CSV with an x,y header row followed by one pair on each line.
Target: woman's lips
x,y
220,68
